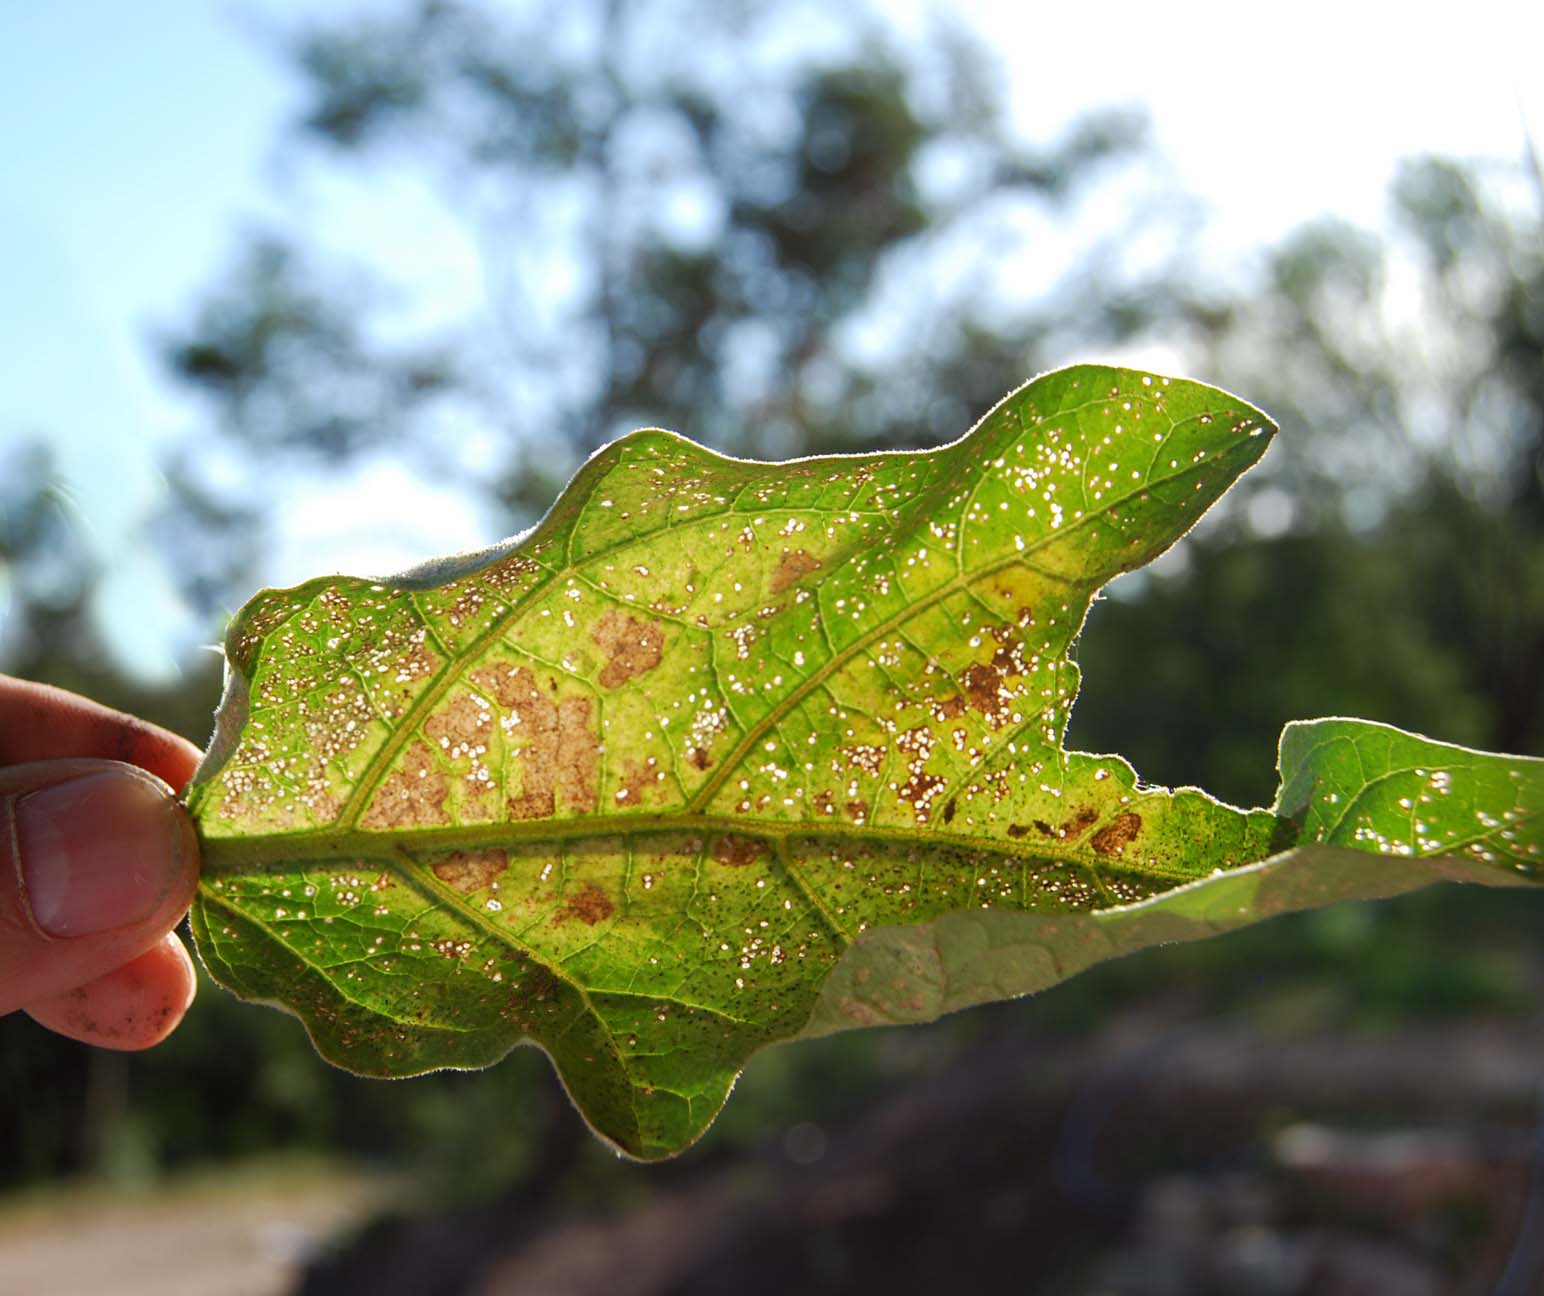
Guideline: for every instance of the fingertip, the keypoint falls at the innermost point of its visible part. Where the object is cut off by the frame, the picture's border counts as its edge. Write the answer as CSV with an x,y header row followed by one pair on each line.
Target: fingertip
x,y
39,722
133,1007
170,757
97,863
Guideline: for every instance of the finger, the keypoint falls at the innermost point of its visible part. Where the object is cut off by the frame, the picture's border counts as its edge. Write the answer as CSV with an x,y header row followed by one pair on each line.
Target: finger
x,y
38,722
131,1007
97,863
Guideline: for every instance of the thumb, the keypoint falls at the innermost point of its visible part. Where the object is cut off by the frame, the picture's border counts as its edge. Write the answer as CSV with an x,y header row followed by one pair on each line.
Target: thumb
x,y
97,863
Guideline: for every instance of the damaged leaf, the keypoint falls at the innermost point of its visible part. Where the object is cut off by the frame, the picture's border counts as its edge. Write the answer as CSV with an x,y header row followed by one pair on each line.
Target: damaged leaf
x,y
724,753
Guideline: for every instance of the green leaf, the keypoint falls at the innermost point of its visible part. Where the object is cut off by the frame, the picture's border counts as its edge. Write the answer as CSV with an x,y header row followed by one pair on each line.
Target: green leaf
x,y
724,753
1373,812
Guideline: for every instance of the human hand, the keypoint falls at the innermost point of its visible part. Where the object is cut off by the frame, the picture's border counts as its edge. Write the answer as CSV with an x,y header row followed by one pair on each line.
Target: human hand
x,y
97,865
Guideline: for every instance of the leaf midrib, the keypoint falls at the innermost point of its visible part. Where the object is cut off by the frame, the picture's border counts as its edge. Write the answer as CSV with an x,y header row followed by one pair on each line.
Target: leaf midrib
x,y
225,855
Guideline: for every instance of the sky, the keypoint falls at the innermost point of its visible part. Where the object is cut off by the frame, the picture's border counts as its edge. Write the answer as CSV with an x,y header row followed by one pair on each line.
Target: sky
x,y
138,140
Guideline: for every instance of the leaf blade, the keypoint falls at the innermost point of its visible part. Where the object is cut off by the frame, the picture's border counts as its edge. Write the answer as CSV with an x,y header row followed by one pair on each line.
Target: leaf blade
x,y
631,787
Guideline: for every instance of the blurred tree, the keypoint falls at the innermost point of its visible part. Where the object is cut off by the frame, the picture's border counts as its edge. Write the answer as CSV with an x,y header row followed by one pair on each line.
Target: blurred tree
x,y
49,577
783,229
780,254
1387,357
1387,559
77,1113
776,253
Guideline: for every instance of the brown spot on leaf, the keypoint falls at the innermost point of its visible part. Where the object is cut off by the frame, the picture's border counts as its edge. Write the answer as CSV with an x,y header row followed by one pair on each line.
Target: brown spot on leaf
x,y
591,905
1079,822
984,687
468,871
949,811
460,722
467,605
578,751
639,779
509,687
698,758
632,647
864,756
858,1012
857,811
918,792
412,796
478,802
1018,830
508,573
791,568
1113,839
736,851
532,805
556,743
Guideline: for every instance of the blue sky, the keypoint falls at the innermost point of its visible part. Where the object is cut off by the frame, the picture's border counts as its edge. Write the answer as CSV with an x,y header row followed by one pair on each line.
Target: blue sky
x,y
136,140
132,139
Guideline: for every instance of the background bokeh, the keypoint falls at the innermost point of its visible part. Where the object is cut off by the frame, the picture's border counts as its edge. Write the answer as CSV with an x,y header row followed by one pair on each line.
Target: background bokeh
x,y
453,247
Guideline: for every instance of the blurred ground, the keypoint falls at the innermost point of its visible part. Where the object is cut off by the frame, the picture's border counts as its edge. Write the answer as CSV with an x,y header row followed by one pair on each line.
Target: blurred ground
x,y
1169,1154
1336,1104
244,1231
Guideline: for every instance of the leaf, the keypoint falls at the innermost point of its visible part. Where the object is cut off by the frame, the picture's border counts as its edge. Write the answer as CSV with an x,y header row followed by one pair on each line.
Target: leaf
x,y
724,753
1375,812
